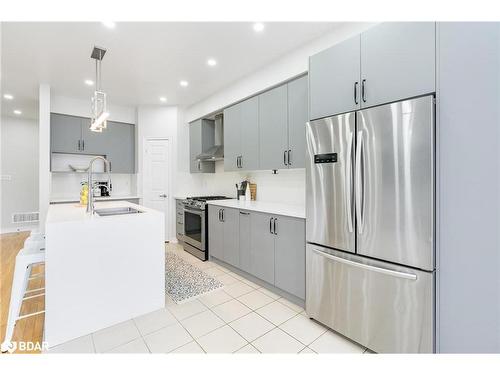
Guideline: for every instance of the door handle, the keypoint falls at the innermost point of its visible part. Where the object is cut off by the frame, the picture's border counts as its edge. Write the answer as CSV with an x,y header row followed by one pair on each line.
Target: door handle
x,y
359,193
271,225
363,90
384,271
274,226
356,92
349,177
163,195
289,157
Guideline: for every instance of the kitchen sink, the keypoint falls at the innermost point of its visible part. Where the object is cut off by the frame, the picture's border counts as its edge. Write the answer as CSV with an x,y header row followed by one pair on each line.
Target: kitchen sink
x,y
117,211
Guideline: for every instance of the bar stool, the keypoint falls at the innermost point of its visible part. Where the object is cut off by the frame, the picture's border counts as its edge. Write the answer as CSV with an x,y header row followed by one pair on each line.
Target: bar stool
x,y
31,254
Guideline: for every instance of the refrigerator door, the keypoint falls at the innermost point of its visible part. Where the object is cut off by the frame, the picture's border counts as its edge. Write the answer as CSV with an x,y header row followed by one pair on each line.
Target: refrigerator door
x,y
395,182
387,308
329,182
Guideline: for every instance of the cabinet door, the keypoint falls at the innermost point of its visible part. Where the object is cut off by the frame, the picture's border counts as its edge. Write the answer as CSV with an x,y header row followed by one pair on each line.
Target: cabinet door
x,y
249,133
232,137
297,118
290,255
398,61
65,133
273,128
194,146
245,239
94,143
262,247
333,74
120,148
215,233
231,236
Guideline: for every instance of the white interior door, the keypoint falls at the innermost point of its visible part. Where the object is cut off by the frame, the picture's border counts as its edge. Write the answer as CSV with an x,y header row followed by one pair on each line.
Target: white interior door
x,y
156,179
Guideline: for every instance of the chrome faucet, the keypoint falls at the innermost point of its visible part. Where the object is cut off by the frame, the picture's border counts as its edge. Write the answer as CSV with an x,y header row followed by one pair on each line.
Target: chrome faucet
x,y
107,168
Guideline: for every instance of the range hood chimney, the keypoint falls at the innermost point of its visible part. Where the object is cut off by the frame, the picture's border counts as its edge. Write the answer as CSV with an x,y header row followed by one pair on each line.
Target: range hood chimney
x,y
216,152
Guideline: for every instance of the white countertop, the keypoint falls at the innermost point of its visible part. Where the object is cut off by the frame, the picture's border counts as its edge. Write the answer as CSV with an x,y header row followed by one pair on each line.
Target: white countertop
x,y
68,212
97,199
259,206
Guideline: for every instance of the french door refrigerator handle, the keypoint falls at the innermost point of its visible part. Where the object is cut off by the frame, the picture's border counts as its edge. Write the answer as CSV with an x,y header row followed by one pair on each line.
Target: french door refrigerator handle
x,y
384,271
350,224
359,193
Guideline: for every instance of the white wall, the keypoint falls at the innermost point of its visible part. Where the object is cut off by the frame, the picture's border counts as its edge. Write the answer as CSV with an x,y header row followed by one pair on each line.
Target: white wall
x,y
43,153
19,149
158,122
287,185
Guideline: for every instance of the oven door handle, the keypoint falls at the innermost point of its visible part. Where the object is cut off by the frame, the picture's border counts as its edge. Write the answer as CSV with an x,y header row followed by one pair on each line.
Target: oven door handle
x,y
194,212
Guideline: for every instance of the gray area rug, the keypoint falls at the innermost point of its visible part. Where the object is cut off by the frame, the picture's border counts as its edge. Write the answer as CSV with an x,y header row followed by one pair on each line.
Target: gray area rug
x,y
185,281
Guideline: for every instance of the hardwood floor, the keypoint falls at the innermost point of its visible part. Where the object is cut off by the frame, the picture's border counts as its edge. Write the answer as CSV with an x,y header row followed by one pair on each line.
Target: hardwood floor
x,y
29,329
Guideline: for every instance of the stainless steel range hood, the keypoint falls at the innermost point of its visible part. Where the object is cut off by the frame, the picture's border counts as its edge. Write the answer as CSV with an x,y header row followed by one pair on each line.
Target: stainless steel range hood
x,y
216,152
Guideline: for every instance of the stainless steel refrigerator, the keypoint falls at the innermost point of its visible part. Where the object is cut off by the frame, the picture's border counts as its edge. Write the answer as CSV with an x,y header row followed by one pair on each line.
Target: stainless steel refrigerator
x,y
370,225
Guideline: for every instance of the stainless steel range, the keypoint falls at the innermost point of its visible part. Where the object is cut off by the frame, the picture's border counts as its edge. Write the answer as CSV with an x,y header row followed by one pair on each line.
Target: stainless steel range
x,y
196,225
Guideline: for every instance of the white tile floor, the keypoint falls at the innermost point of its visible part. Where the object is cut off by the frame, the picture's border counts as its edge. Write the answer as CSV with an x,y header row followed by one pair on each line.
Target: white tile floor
x,y
240,318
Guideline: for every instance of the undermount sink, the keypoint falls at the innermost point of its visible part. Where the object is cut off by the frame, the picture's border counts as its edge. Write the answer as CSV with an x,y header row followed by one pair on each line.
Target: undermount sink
x,y
117,211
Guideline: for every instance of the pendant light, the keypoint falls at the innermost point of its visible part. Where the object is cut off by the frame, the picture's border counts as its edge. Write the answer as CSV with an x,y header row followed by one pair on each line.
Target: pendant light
x,y
98,106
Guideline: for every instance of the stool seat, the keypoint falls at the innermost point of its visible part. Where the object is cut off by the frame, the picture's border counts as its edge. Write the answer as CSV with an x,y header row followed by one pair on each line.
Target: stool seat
x,y
32,253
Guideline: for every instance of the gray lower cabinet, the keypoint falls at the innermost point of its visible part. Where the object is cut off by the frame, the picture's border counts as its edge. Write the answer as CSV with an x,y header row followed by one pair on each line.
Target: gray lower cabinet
x,y
297,118
65,133
201,138
245,241
231,224
273,128
334,79
269,247
71,134
215,232
262,247
290,256
398,61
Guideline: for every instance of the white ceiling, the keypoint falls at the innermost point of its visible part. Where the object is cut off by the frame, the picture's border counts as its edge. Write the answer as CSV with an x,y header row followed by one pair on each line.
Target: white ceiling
x,y
145,60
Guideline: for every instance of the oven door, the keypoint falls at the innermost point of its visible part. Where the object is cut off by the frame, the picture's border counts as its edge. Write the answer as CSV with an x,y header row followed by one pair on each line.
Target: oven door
x,y
194,227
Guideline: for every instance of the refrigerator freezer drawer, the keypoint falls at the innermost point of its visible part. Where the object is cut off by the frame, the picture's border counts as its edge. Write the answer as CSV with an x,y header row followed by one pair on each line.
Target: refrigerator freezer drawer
x,y
387,308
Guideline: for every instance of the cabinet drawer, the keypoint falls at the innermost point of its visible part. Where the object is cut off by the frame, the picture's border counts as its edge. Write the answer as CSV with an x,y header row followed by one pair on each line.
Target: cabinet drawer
x,y
385,307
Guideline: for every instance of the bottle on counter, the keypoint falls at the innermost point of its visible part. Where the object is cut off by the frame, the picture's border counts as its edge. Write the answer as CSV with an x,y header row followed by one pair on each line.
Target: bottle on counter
x,y
84,194
247,192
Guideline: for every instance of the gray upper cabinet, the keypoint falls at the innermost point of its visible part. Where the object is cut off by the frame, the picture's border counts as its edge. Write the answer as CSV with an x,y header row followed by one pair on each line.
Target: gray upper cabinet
x,y
65,133
334,79
232,137
249,134
231,221
241,136
273,128
121,146
201,138
262,247
397,61
71,134
297,118
290,255
215,232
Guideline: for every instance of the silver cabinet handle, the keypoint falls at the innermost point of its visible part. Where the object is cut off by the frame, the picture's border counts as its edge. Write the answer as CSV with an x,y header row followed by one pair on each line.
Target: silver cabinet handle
x,y
83,144
271,225
348,173
244,213
275,227
223,214
199,165
241,161
356,92
79,145
289,157
219,215
384,271
284,157
359,193
363,90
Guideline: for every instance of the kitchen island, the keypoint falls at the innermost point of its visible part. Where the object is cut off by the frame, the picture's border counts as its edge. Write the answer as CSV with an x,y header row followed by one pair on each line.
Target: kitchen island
x,y
101,270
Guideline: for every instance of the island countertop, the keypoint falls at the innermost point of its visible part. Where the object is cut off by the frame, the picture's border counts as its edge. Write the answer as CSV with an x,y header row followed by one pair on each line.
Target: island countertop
x,y
66,212
283,209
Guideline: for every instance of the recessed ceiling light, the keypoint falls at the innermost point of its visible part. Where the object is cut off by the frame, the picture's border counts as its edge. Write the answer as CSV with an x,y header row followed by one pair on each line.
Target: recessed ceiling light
x,y
163,99
258,27
89,82
109,24
184,83
17,112
8,96
211,62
